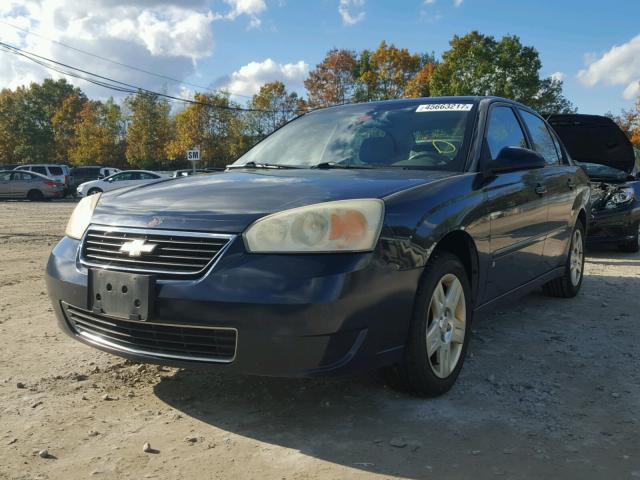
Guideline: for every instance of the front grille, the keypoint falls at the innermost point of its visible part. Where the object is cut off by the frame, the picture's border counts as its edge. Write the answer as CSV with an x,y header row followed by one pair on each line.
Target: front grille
x,y
175,254
181,342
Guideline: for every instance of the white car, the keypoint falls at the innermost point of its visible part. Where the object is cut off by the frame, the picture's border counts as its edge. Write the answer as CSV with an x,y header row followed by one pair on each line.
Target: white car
x,y
117,180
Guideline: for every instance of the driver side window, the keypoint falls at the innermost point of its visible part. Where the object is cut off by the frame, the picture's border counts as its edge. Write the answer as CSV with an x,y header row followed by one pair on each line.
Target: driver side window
x,y
504,131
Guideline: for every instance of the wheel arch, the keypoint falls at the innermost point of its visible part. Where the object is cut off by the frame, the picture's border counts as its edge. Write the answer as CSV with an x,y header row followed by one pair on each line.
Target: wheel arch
x,y
462,245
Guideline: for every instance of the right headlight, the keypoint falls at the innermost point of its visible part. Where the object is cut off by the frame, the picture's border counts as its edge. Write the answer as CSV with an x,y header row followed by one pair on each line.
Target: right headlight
x,y
340,226
621,197
81,216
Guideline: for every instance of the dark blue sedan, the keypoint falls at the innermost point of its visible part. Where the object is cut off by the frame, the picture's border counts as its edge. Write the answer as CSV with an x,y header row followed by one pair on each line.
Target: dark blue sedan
x,y
355,237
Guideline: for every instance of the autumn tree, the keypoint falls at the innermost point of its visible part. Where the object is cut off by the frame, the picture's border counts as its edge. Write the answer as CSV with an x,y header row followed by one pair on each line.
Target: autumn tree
x,y
333,81
420,84
64,122
385,73
215,125
629,122
272,107
478,64
148,131
98,135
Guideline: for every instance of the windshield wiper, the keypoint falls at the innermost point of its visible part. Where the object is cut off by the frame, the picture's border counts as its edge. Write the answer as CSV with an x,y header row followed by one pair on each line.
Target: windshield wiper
x,y
261,165
328,165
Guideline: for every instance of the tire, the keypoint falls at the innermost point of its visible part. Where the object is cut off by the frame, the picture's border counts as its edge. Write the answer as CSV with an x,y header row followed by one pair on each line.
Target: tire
x,y
568,285
425,370
93,191
35,196
632,246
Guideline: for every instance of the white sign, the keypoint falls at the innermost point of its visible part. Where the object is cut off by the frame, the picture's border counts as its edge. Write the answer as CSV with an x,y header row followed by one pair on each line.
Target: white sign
x,y
445,107
193,155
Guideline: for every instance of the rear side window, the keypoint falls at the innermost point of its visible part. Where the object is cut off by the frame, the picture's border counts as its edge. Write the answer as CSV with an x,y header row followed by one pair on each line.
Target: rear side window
x,y
504,131
542,141
55,171
40,170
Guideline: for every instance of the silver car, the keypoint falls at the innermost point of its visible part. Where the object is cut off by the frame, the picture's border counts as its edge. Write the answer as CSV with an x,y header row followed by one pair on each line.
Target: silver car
x,y
29,185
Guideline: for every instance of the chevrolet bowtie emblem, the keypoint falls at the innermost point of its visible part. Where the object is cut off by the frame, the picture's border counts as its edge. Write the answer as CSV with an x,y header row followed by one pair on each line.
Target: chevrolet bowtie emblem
x,y
137,247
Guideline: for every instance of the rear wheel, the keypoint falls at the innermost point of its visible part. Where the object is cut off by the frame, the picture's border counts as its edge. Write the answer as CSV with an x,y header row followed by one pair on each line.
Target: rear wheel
x,y
568,285
93,191
439,332
35,196
632,246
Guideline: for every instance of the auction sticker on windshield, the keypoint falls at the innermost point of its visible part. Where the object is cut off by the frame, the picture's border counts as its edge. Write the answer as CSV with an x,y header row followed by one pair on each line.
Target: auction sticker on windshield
x,y
444,107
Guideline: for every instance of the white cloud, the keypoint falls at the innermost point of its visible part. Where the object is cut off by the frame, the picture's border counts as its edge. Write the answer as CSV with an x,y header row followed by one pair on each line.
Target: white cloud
x,y
457,3
351,11
619,66
248,79
429,2
558,76
162,36
250,8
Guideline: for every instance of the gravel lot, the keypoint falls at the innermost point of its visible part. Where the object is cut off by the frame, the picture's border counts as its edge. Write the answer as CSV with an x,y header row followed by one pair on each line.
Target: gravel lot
x,y
551,390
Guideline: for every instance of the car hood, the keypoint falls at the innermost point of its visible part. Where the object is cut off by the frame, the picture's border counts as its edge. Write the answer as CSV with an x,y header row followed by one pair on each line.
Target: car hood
x,y
594,139
228,202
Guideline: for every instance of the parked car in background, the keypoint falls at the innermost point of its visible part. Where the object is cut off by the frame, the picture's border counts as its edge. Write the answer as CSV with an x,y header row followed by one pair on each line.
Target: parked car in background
x,y
29,185
605,153
59,173
187,172
117,180
354,237
82,175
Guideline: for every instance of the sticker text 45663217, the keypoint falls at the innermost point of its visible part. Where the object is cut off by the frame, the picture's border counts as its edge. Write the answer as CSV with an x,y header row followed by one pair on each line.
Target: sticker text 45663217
x,y
445,107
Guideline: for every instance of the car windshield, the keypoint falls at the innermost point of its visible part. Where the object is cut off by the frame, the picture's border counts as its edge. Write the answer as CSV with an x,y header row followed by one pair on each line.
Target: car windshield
x,y
388,135
602,171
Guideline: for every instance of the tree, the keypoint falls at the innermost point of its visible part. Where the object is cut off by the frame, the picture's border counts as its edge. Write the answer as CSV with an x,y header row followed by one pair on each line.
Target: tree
x,y
97,139
629,122
420,84
64,123
333,81
214,125
273,107
148,131
9,138
385,73
478,64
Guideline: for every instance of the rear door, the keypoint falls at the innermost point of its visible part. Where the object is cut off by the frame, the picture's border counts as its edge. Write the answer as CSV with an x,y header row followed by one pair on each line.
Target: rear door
x,y
5,184
559,180
21,183
518,214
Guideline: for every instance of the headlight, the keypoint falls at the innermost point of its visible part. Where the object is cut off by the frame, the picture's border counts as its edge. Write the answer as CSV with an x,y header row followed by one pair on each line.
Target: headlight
x,y
622,196
342,226
81,216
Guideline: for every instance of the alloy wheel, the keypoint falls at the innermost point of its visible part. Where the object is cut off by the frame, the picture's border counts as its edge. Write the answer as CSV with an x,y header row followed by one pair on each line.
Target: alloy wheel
x,y
446,325
576,259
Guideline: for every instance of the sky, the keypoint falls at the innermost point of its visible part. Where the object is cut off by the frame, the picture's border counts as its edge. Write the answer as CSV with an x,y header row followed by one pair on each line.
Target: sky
x,y
237,45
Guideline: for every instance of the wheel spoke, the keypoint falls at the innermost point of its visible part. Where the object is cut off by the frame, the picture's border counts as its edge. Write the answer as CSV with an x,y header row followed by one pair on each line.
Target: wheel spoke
x,y
458,331
437,301
433,338
453,294
444,360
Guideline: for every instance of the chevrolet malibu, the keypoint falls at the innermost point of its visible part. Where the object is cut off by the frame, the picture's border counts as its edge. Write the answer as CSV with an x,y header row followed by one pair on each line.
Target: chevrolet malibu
x,y
355,237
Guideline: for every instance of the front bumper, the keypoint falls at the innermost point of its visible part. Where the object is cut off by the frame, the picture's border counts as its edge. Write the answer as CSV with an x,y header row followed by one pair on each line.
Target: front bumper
x,y
614,226
295,315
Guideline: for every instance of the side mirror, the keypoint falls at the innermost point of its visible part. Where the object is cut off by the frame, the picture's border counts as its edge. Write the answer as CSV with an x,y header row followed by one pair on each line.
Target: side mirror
x,y
513,159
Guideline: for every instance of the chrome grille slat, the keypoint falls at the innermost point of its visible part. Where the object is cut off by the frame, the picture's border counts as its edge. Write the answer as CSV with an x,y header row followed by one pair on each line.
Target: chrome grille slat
x,y
186,342
177,254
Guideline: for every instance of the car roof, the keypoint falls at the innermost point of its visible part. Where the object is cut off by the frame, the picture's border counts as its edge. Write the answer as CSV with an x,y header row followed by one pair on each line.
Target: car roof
x,y
30,173
475,99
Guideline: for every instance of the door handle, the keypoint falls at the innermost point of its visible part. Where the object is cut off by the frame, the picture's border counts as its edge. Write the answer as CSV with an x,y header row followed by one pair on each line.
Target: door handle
x,y
571,184
541,189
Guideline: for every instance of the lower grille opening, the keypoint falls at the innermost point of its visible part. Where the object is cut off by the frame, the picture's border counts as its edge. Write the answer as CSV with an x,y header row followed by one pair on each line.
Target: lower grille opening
x,y
180,342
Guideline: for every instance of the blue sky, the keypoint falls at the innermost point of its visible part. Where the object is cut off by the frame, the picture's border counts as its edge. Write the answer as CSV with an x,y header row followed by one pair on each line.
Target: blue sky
x,y
237,44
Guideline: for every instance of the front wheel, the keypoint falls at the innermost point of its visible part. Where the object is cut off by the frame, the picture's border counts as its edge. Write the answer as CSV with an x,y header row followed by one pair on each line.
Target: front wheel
x,y
440,329
568,285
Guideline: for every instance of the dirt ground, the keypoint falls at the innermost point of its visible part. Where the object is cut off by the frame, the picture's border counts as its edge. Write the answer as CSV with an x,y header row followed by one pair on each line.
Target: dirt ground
x,y
551,390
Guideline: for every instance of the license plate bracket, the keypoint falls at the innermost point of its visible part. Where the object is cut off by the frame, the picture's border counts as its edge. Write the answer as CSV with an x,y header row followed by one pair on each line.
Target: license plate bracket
x,y
130,296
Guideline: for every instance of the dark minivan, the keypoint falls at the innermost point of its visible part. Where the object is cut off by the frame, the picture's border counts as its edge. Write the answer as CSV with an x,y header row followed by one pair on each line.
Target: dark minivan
x,y
355,237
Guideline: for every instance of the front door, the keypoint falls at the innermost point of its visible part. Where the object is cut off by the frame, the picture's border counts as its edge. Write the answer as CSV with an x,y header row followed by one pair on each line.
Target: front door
x,y
517,210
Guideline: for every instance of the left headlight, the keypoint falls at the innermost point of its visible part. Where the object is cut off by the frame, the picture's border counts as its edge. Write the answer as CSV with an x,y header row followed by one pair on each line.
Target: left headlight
x,y
341,226
621,197
81,216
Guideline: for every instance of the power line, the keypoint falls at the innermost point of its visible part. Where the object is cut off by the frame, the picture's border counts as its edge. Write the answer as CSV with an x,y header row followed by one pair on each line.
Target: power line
x,y
115,62
111,83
